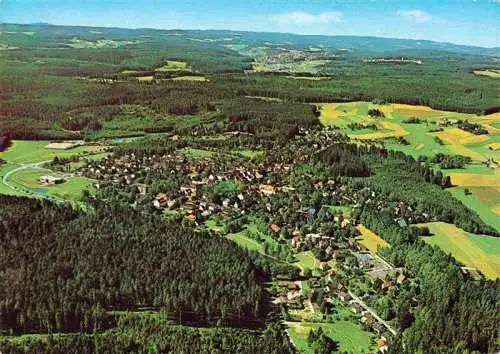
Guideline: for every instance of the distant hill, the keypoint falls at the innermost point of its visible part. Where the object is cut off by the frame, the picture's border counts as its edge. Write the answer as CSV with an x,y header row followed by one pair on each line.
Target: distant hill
x,y
355,44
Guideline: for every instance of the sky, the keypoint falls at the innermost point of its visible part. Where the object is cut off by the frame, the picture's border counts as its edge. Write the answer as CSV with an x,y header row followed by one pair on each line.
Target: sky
x,y
473,22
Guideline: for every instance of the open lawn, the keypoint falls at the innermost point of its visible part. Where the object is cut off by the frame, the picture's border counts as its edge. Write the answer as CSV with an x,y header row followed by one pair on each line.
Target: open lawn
x,y
307,260
350,337
370,240
478,251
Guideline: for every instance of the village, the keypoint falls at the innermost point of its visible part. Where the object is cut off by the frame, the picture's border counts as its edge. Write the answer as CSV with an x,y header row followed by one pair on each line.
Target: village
x,y
229,196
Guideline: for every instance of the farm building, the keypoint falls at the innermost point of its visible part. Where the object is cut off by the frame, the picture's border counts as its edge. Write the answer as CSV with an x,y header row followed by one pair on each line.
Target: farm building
x,y
51,180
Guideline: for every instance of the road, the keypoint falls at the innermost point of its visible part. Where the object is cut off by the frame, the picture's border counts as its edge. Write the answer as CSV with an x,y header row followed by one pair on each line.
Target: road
x,y
373,313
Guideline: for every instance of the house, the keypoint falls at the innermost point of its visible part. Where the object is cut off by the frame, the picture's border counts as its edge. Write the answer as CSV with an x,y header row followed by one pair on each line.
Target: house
x,y
344,296
356,308
324,266
267,189
51,180
160,200
142,188
275,228
401,222
295,240
401,278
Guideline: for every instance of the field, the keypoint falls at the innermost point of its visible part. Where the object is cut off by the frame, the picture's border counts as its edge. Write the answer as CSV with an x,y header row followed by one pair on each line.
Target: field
x,y
370,240
23,168
484,201
478,251
489,73
171,65
190,78
350,337
421,141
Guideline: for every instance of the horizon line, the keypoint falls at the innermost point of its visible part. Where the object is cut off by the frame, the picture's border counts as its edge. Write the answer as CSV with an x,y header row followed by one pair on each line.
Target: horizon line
x,y
250,31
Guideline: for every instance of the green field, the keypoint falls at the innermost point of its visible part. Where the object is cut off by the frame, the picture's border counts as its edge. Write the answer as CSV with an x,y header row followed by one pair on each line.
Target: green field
x,y
477,251
307,260
172,65
25,179
350,337
476,202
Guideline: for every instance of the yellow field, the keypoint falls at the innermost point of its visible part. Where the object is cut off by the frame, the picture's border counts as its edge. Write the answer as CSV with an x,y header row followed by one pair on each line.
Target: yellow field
x,y
420,147
478,251
475,179
490,73
475,139
494,146
145,78
370,240
190,78
329,113
396,131
453,135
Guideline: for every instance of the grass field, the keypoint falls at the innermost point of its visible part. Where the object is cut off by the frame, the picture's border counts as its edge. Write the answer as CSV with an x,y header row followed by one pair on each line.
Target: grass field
x,y
370,240
350,337
198,153
487,210
307,260
26,180
172,65
246,242
478,251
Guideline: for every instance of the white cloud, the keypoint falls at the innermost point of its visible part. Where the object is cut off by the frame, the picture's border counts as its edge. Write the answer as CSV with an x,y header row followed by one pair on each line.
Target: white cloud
x,y
418,16
305,18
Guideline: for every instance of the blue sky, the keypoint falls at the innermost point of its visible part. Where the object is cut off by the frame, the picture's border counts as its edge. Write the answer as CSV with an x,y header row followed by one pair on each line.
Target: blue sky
x,y
475,22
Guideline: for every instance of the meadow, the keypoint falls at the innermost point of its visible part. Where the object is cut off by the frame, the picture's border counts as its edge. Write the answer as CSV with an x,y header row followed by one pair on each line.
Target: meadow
x,y
24,166
348,335
477,251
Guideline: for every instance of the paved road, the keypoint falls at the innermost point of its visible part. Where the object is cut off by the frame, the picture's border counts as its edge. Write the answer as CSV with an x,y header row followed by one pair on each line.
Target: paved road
x,y
373,313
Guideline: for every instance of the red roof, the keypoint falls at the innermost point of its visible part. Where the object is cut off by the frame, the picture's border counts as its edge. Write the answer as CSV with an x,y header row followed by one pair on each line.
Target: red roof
x,y
275,228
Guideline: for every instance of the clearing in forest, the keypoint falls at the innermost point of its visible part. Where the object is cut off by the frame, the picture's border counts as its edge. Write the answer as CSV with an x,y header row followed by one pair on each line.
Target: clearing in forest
x,y
172,65
477,251
350,337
